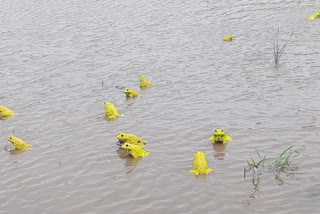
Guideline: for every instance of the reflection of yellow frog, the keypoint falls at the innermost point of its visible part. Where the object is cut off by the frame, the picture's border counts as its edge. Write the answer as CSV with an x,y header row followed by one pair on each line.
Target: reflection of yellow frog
x,y
135,151
228,38
5,112
18,143
200,165
313,16
131,138
219,136
111,110
130,93
144,82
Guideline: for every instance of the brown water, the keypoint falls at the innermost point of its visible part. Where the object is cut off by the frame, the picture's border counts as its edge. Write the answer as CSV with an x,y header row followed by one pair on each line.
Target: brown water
x,y
54,55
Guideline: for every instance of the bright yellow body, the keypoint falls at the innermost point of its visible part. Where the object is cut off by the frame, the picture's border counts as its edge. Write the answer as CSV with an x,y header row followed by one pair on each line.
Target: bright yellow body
x,y
5,112
200,165
313,16
219,136
18,143
130,93
135,151
132,139
111,110
144,82
228,38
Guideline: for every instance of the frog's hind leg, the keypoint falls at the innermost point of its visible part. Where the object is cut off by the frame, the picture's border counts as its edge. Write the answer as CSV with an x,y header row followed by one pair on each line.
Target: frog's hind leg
x,y
141,144
195,172
208,171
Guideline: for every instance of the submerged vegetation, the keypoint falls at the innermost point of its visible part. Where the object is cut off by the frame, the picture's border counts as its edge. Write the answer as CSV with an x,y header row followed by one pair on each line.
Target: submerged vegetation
x,y
277,51
275,165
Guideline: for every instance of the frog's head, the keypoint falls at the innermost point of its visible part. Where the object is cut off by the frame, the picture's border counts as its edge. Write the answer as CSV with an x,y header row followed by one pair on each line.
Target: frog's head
x,y
108,105
122,137
12,139
1,108
200,154
128,146
219,136
127,92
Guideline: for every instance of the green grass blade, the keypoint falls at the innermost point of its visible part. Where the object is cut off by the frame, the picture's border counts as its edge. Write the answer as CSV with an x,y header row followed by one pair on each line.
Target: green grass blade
x,y
258,153
254,163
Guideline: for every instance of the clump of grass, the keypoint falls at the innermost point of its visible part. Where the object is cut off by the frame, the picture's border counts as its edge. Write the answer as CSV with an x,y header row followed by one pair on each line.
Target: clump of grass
x,y
277,51
281,163
255,166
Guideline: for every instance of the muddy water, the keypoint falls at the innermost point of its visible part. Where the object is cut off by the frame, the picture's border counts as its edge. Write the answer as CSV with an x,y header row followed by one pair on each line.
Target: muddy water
x,y
55,54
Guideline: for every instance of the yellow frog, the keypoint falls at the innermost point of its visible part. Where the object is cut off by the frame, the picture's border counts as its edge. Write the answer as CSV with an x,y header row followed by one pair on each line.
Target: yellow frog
x,y
130,93
313,16
135,151
5,112
144,82
18,143
111,110
200,165
228,38
131,138
219,136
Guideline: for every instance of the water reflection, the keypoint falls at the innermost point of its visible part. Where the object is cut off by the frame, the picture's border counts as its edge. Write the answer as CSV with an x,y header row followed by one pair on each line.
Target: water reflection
x,y
5,118
201,176
130,100
130,161
219,150
110,119
17,152
255,192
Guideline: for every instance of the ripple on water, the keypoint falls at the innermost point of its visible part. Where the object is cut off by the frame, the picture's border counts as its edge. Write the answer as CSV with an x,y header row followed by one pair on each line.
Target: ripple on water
x,y
55,54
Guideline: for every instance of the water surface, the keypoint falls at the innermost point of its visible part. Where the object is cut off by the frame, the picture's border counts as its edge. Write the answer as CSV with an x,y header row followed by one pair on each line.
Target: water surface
x,y
55,54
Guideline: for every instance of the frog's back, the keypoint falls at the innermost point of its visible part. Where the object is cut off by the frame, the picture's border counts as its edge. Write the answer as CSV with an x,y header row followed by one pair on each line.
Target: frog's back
x,y
5,112
200,164
144,82
111,110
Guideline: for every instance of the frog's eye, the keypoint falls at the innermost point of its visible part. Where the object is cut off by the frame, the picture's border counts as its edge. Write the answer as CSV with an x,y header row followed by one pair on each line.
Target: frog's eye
x,y
127,145
122,135
215,130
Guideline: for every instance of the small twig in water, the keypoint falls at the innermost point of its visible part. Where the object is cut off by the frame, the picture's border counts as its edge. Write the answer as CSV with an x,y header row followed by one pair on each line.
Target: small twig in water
x,y
277,51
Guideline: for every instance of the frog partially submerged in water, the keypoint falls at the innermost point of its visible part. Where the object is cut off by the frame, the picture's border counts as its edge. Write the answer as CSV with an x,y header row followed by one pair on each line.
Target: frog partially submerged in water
x,y
313,16
130,93
135,151
228,38
144,82
19,143
131,138
5,112
200,165
219,136
111,111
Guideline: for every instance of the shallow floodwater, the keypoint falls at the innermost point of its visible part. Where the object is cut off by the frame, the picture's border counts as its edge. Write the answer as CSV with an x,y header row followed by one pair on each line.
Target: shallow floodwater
x,y
61,60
